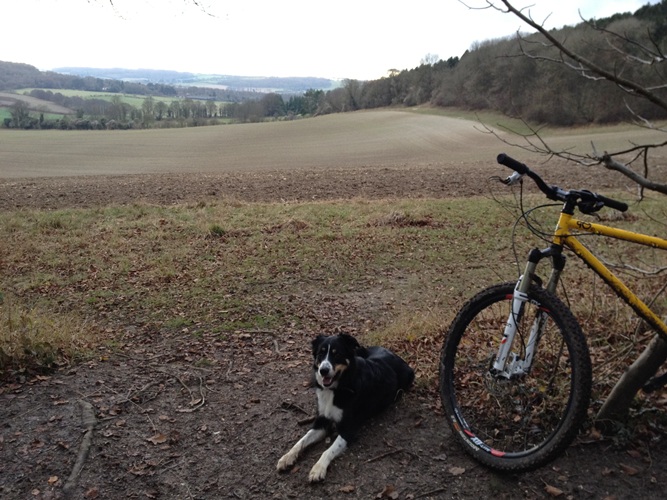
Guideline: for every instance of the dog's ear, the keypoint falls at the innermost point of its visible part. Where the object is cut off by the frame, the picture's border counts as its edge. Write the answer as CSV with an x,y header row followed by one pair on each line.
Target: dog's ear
x,y
317,341
349,341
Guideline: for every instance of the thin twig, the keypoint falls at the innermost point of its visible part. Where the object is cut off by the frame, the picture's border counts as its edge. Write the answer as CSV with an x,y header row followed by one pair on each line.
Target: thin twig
x,y
431,492
306,421
288,405
198,403
384,455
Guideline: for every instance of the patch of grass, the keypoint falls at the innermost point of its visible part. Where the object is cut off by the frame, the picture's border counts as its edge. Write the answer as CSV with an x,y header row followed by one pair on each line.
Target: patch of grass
x,y
216,231
36,339
395,271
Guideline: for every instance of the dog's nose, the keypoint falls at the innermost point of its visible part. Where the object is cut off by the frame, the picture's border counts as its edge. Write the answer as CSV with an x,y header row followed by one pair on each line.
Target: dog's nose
x,y
324,370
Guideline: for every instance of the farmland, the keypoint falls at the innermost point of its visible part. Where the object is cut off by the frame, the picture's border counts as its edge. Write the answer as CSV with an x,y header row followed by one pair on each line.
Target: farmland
x,y
374,139
134,100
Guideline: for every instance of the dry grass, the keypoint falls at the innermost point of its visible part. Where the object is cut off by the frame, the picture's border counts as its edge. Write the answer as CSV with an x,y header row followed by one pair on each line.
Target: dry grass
x,y
36,339
230,267
395,271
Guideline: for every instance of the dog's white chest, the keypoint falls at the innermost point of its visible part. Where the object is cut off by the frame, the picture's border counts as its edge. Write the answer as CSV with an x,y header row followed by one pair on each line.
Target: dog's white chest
x,y
326,407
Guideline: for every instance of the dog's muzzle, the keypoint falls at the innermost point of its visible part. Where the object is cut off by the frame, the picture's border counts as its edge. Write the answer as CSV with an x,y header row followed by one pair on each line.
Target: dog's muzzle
x,y
326,374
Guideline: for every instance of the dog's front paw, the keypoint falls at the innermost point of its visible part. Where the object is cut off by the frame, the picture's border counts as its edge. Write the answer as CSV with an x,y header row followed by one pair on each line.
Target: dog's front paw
x,y
317,473
286,461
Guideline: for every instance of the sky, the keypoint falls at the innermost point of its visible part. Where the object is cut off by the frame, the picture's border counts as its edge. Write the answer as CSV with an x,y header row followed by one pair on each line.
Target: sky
x,y
358,39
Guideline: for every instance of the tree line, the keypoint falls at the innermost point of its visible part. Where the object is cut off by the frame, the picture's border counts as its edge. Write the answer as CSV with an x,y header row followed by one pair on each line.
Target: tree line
x,y
114,113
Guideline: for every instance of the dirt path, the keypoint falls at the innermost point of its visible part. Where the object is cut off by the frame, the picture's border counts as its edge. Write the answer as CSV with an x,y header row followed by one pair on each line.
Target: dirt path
x,y
169,429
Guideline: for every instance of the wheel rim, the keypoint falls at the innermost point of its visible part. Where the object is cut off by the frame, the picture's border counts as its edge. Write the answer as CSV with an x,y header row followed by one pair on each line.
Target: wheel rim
x,y
508,418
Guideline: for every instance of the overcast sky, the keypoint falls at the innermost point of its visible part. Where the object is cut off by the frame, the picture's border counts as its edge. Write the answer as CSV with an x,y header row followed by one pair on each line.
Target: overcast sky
x,y
359,39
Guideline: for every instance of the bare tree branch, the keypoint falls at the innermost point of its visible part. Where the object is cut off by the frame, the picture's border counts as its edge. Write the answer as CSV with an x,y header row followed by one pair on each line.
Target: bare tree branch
x,y
584,62
533,47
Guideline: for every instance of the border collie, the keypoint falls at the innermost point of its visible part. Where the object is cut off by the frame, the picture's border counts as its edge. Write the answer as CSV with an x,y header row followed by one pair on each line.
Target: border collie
x,y
352,384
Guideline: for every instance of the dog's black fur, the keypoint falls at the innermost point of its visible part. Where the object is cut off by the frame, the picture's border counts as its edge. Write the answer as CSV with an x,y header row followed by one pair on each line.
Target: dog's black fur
x,y
353,383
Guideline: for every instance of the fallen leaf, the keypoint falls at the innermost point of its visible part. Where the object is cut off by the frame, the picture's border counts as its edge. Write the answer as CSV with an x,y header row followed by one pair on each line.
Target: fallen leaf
x,y
595,434
629,470
158,439
456,471
92,493
53,479
138,470
349,488
388,492
553,491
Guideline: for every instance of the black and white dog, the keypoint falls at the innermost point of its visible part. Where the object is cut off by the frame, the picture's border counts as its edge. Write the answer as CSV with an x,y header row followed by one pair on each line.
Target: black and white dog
x,y
352,383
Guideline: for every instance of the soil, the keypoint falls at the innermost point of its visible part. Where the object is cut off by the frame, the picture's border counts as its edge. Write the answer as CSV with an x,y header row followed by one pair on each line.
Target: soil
x,y
160,425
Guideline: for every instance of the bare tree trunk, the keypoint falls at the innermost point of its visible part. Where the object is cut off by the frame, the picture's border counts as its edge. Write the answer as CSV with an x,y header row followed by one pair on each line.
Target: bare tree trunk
x,y
617,405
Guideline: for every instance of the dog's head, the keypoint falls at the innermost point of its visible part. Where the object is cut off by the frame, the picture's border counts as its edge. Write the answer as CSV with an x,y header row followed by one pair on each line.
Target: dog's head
x,y
333,356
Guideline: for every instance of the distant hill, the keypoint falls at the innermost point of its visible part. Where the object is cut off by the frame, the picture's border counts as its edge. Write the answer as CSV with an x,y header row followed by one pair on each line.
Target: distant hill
x,y
230,88
282,85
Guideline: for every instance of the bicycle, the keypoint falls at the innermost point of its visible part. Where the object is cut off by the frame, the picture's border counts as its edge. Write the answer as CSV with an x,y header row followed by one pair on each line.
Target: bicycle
x,y
515,370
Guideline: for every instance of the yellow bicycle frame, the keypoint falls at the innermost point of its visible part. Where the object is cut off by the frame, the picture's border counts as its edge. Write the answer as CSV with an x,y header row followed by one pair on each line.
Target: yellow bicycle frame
x,y
564,237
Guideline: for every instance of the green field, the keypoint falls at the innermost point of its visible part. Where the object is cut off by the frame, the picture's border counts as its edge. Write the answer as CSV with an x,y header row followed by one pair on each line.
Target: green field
x,y
134,100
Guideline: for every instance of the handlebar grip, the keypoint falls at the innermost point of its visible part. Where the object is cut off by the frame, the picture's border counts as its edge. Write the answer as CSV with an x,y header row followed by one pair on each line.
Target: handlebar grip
x,y
515,165
616,205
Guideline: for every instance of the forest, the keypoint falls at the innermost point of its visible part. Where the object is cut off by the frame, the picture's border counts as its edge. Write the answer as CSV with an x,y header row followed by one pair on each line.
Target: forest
x,y
498,75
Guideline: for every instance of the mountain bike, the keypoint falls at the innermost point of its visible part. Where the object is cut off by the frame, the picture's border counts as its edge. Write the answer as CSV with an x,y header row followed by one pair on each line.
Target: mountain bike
x,y
515,371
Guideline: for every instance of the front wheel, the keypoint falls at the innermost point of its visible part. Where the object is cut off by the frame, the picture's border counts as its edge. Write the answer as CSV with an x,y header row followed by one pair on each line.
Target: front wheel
x,y
521,422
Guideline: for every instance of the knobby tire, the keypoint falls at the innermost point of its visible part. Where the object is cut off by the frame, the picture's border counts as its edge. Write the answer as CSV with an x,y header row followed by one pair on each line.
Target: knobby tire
x,y
522,423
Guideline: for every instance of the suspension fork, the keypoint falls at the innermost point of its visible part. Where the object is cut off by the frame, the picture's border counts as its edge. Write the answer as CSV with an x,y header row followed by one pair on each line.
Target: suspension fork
x,y
507,363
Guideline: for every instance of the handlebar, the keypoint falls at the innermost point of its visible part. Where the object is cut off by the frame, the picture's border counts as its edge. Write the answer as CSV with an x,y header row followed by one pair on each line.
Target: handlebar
x,y
587,201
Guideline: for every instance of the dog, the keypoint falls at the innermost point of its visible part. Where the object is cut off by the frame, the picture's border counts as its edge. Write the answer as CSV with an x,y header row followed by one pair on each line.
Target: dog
x,y
352,383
